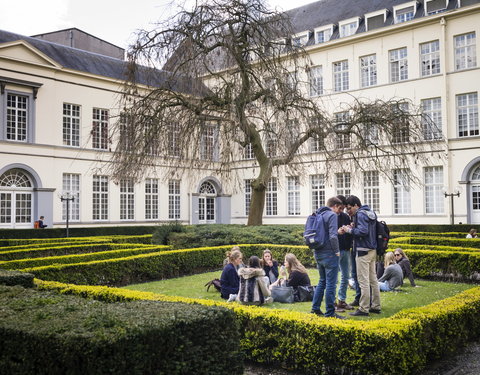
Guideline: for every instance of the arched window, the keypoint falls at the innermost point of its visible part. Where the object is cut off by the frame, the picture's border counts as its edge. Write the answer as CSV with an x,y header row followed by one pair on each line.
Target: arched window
x,y
207,188
476,174
15,178
16,199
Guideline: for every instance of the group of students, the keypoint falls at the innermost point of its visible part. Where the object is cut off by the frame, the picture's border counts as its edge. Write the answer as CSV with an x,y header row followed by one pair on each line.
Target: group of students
x,y
251,284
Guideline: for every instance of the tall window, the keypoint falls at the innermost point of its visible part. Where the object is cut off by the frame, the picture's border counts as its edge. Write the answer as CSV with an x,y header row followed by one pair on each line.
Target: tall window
x,y
342,183
348,29
401,131
371,134
151,198
208,142
248,196
127,200
17,117
467,115
71,185
342,140
71,124
100,129
404,14
174,199
465,51
271,197
100,198
371,190
398,65
340,76
368,70
430,58
126,136
293,195
434,197
401,190
317,185
315,80
432,118
317,142
174,140
271,142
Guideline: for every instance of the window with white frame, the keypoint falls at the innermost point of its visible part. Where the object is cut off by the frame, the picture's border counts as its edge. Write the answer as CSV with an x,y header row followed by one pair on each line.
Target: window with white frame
x,y
127,200
18,107
300,40
71,186
371,134
398,65
271,197
435,6
100,129
271,142
151,198
248,152
368,70
174,199
322,36
293,195
342,140
340,76
343,184
100,198
348,29
315,80
126,133
371,190
465,51
401,130
248,196
317,187
174,140
375,20
467,115
434,197
432,118
430,58
208,142
71,124
404,13
401,192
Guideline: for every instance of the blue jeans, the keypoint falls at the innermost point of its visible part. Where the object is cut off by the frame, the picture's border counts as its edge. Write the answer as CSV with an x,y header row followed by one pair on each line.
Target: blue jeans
x,y
344,265
384,287
353,262
327,264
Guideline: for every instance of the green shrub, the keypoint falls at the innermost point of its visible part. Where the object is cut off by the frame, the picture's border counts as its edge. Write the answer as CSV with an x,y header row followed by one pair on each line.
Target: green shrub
x,y
48,333
12,278
162,233
78,232
440,241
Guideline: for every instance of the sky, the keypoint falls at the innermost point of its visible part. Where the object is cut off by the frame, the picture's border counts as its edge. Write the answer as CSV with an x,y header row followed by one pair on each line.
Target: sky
x,y
114,21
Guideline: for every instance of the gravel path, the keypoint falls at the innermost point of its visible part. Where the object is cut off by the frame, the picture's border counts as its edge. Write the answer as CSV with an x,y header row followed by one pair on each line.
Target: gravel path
x,y
465,362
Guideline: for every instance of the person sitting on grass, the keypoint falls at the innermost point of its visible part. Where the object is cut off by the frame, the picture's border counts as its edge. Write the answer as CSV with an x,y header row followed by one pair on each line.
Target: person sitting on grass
x,y
297,273
402,261
253,289
270,266
229,280
393,275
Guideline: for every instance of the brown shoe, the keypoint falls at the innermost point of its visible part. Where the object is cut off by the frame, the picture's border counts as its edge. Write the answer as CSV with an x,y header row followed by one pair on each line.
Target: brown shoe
x,y
344,305
338,308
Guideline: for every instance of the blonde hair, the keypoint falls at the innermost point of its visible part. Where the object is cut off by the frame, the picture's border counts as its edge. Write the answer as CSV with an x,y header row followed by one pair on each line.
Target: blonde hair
x,y
389,259
234,254
294,264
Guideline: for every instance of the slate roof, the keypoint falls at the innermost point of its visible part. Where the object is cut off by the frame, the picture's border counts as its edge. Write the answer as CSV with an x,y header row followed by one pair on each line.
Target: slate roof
x,y
94,63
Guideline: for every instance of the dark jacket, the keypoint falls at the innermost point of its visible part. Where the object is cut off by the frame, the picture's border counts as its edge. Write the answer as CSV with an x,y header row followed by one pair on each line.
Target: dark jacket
x,y
344,240
229,281
274,269
331,224
407,270
364,231
297,278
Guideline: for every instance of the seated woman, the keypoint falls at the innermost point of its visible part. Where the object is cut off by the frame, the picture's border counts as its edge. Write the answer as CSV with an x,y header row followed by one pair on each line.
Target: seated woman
x,y
472,233
229,280
270,266
297,274
253,290
403,262
393,275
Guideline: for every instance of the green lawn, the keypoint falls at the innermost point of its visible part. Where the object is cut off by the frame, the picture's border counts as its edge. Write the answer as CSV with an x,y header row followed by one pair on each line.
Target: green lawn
x,y
392,302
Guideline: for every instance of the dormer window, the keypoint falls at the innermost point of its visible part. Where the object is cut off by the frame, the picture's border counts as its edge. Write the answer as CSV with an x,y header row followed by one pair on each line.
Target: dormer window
x,y
435,6
323,34
405,12
349,27
300,40
374,20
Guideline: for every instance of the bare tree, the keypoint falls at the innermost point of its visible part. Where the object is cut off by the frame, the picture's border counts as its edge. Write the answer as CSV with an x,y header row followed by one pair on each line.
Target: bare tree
x,y
228,72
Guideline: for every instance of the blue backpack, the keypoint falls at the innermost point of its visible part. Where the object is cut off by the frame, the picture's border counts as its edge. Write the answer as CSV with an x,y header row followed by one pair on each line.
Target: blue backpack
x,y
315,234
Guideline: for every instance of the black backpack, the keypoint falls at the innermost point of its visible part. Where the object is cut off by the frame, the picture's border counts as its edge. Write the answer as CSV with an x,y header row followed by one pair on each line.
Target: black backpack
x,y
383,236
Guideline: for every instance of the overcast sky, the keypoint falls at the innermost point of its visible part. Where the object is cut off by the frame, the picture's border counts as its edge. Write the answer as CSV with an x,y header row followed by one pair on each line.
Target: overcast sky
x,y
112,20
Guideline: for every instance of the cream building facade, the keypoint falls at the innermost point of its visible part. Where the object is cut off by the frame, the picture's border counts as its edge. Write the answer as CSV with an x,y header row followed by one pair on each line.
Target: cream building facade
x,y
58,103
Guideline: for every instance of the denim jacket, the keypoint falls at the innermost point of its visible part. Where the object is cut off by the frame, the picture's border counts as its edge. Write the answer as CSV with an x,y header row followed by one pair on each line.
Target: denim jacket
x,y
364,231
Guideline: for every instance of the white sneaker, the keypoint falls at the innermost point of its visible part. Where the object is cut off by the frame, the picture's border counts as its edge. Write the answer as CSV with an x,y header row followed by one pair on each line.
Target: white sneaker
x,y
232,298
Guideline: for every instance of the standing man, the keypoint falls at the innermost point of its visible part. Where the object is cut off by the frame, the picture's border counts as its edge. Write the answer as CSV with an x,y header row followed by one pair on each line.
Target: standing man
x,y
363,231
327,261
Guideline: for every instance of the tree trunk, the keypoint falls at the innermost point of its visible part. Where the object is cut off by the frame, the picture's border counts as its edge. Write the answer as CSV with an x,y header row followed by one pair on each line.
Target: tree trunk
x,y
257,204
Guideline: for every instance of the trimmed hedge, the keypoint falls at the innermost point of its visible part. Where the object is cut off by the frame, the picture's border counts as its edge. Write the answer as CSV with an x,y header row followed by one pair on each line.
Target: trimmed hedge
x,y
78,258
48,333
398,345
12,278
428,234
402,245
45,241
440,241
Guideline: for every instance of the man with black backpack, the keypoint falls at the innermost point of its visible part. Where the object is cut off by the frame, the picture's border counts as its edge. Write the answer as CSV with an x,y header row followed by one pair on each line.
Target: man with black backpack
x,y
363,230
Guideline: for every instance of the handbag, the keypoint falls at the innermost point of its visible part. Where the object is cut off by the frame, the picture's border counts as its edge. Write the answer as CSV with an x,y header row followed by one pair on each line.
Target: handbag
x,y
304,293
283,294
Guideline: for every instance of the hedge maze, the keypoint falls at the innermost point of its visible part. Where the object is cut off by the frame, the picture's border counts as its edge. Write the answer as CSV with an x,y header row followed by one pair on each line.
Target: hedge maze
x,y
78,307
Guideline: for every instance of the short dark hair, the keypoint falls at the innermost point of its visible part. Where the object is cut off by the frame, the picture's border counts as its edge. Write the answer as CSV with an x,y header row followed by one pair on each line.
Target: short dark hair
x,y
343,199
254,261
353,200
333,201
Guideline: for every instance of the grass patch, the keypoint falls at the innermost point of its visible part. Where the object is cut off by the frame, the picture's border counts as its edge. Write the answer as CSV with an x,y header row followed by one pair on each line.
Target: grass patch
x,y
392,302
